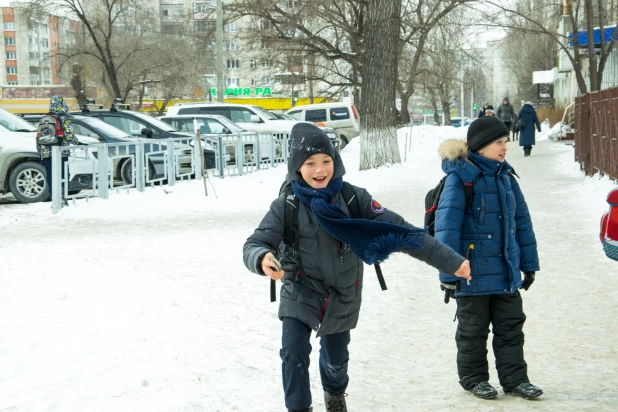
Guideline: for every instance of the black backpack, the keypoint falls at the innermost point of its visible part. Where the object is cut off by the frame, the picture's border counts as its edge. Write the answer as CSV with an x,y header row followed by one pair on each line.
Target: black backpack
x,y
433,198
290,224
49,132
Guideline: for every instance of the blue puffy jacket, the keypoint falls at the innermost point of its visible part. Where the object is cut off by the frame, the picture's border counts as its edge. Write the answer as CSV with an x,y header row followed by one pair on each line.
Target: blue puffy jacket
x,y
494,232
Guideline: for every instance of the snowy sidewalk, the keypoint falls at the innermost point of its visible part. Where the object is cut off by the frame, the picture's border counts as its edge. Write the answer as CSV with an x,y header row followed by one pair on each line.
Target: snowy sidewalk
x,y
142,303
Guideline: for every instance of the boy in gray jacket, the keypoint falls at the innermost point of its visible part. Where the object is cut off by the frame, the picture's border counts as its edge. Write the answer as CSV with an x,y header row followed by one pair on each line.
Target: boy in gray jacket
x,y
322,281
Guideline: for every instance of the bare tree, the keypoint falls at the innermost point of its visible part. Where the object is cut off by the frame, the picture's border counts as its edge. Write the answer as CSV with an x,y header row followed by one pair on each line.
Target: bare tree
x,y
379,145
418,19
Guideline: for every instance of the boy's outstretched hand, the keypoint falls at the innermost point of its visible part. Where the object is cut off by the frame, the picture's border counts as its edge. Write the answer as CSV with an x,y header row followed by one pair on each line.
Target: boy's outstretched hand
x,y
271,267
464,270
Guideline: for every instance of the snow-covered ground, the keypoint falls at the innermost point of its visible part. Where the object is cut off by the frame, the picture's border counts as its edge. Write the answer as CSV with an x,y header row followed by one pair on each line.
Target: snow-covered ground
x,y
142,303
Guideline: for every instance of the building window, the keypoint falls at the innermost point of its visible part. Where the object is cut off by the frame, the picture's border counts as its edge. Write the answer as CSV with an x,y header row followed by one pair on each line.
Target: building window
x,y
266,25
45,43
263,45
231,27
11,56
9,41
33,55
11,70
252,63
166,12
204,25
31,40
10,25
233,64
34,70
204,6
264,63
11,83
233,82
232,45
252,45
35,82
252,82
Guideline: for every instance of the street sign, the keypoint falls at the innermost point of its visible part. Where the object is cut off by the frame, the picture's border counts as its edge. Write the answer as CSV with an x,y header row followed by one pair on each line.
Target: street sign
x,y
428,111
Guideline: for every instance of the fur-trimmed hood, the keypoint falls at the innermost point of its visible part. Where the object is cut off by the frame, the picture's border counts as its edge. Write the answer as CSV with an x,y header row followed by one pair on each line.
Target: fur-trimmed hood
x,y
453,149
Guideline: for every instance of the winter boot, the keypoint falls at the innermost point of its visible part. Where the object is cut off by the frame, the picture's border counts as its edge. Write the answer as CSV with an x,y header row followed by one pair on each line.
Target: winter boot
x,y
335,403
484,390
526,390
526,152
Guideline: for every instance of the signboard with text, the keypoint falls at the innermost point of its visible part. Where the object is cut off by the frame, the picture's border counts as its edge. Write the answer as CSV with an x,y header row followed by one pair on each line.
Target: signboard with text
x,y
244,91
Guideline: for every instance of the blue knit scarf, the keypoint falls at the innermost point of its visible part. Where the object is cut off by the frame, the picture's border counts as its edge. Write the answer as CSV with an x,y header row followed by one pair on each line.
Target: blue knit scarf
x,y
371,240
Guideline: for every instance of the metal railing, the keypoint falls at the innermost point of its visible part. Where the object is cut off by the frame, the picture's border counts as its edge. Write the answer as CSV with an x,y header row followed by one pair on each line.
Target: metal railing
x,y
96,170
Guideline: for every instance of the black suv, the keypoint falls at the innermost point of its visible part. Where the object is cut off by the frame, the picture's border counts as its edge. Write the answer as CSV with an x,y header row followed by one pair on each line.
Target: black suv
x,y
141,125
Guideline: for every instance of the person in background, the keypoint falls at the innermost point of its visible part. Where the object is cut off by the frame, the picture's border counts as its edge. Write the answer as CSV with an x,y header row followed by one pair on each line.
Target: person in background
x,y
527,133
494,231
489,111
482,111
609,227
506,113
59,109
322,275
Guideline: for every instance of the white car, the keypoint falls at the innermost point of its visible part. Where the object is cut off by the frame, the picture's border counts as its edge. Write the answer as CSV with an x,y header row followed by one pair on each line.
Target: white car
x,y
341,116
250,117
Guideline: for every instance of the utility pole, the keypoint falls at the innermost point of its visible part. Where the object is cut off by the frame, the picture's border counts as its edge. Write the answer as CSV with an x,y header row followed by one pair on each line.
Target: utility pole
x,y
220,89
462,99
472,111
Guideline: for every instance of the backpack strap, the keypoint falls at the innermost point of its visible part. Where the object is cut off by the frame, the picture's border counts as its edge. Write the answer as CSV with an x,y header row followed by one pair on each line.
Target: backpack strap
x,y
351,201
291,238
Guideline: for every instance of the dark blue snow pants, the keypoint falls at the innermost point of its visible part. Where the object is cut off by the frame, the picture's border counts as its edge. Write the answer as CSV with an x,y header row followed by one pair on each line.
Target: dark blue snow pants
x,y
295,350
47,164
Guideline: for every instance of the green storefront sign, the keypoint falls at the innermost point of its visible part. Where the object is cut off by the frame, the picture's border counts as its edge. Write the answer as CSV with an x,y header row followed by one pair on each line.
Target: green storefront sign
x,y
244,91
431,111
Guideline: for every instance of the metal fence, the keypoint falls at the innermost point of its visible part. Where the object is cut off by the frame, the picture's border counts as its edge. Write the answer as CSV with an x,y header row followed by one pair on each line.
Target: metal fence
x,y
97,170
596,132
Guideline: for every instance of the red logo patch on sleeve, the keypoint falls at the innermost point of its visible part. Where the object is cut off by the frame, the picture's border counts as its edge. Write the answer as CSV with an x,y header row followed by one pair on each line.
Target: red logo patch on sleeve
x,y
376,207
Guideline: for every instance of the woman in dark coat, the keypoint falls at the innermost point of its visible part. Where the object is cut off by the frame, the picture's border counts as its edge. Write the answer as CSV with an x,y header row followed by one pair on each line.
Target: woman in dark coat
x,y
527,133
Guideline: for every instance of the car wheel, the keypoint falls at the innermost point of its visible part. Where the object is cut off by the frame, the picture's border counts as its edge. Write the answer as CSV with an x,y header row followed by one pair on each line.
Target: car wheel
x,y
126,172
28,184
343,142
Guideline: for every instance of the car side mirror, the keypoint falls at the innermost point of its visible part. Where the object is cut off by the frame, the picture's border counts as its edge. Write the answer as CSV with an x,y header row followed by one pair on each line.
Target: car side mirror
x,y
147,132
255,118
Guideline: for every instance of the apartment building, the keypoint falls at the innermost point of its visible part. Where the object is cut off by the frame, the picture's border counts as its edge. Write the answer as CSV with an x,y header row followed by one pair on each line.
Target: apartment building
x,y
30,47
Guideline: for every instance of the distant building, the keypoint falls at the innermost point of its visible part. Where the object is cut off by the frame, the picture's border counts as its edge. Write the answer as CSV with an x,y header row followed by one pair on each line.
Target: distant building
x,y
30,54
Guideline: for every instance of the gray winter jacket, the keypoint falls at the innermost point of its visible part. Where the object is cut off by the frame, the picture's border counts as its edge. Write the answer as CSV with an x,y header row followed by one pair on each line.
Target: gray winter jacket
x,y
505,112
335,274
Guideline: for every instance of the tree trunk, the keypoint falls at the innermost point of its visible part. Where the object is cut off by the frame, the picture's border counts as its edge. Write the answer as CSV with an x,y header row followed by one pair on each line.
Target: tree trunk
x,y
405,114
379,145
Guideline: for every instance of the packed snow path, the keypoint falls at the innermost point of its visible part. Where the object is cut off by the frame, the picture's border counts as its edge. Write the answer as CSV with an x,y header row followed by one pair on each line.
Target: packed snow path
x,y
142,303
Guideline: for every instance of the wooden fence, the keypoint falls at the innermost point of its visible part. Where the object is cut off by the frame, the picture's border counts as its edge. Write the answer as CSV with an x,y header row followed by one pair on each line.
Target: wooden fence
x,y
596,132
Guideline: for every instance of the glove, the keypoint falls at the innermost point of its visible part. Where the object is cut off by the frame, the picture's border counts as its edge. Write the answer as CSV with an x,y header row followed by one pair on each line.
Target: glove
x,y
528,280
449,289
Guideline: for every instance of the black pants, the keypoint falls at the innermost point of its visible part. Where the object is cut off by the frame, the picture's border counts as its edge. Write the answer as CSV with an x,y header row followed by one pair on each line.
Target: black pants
x,y
505,313
508,126
47,164
295,352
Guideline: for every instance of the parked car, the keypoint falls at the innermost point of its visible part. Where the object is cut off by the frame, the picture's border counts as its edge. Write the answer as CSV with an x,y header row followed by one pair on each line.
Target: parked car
x,y
340,116
456,121
210,127
21,172
250,117
141,125
102,132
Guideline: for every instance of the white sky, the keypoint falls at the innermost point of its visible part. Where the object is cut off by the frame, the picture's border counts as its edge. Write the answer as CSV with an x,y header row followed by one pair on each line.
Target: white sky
x,y
142,303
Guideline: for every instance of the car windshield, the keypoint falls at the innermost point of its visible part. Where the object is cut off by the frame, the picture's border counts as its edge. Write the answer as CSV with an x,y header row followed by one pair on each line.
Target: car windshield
x,y
14,123
104,128
265,114
233,127
155,122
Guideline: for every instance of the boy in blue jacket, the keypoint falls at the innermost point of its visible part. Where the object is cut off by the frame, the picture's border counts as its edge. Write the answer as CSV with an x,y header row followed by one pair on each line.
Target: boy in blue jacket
x,y
494,231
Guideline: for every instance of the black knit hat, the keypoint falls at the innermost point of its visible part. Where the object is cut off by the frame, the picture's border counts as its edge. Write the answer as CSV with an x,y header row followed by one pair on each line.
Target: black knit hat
x,y
306,139
485,131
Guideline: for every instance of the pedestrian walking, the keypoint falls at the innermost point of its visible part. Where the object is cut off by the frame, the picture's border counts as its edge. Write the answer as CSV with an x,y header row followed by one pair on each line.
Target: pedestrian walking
x,y
482,111
59,110
322,273
494,231
527,127
506,113
489,111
